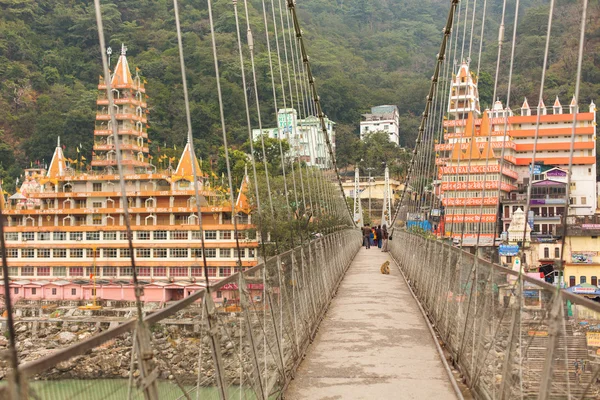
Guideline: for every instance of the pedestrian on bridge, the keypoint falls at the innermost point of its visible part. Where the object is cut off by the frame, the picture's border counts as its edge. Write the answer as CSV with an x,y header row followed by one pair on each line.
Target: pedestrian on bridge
x,y
366,236
378,234
384,239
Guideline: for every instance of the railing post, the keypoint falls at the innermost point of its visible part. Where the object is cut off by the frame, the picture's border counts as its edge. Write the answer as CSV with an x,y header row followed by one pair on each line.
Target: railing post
x,y
258,384
555,314
148,372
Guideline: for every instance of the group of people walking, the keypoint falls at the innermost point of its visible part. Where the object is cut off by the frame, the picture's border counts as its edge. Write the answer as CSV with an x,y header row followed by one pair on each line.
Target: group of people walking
x,y
375,236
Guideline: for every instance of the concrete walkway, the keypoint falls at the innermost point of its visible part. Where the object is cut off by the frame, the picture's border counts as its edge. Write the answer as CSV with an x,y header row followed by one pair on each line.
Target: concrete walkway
x,y
373,343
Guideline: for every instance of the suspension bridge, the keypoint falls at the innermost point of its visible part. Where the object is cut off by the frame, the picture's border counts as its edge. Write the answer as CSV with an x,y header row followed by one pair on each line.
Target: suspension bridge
x,y
451,320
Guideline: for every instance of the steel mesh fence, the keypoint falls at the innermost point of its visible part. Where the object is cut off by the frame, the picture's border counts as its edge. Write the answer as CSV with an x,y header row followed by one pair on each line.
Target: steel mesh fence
x,y
205,346
510,335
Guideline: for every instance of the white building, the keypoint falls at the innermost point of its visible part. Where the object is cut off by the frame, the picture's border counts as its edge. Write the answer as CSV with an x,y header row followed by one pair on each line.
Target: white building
x,y
382,118
305,136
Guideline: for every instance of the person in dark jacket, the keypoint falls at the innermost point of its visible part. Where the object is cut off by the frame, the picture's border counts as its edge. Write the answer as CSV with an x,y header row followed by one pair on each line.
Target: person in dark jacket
x,y
379,233
366,236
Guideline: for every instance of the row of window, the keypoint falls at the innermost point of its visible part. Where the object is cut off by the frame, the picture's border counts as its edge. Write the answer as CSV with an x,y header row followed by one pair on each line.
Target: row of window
x,y
126,272
583,279
139,235
139,253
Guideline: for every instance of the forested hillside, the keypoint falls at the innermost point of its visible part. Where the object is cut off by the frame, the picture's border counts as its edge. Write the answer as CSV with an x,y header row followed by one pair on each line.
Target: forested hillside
x,y
364,52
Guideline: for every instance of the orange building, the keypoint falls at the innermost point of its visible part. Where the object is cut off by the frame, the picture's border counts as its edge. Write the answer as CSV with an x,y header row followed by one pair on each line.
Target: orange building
x,y
67,222
474,145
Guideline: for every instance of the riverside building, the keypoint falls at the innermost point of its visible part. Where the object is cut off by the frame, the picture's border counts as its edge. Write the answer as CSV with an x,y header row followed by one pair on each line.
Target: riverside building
x,y
473,145
66,223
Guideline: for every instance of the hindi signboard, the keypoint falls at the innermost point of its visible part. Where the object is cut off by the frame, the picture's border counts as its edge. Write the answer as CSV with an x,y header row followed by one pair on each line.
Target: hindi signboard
x,y
508,249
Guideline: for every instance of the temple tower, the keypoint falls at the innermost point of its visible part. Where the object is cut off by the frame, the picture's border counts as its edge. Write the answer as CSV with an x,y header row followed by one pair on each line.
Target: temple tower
x,y
130,107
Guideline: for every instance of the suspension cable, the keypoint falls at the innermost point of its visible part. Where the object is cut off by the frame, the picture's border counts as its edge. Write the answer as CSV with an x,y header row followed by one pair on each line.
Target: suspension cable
x,y
434,80
317,101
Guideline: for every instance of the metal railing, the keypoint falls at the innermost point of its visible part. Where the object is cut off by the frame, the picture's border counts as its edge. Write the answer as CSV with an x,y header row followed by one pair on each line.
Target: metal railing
x,y
248,347
510,335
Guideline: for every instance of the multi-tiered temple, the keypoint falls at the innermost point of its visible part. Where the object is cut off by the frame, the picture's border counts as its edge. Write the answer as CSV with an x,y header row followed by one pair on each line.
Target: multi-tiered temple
x,y
65,225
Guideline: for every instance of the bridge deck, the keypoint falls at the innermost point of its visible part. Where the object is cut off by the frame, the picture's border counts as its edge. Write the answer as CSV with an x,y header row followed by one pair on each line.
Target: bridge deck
x,y
373,343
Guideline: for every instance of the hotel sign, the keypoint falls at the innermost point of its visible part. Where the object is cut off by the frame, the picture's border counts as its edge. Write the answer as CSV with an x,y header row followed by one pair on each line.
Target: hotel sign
x,y
590,226
583,257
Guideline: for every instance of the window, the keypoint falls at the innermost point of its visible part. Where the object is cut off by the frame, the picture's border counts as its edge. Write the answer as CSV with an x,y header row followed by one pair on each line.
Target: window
x,y
142,253
59,253
57,271
178,271
211,253
110,253
546,252
225,235
241,235
12,253
573,200
60,236
27,253
97,219
28,235
33,291
11,236
43,271
582,279
110,235
242,253
195,235
143,271
210,235
43,253
583,200
16,290
556,252
594,280
179,253
125,253
92,235
45,235
160,235
96,204
179,235
76,271
225,253
160,271
219,294
76,253
93,291
196,271
27,271
76,235
13,271
126,271
91,253
143,235
73,292
251,253
124,235
97,187
160,253
53,291
109,271
196,253
212,272
224,271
